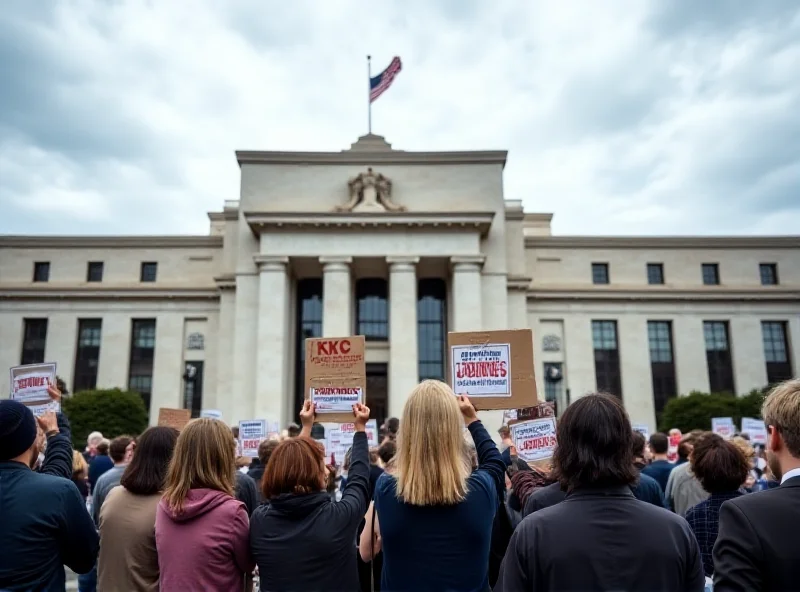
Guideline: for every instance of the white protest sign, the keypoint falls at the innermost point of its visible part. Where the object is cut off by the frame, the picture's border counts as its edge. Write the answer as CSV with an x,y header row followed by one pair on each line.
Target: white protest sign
x,y
336,399
723,426
643,429
211,413
29,386
482,371
509,415
251,433
535,439
340,438
756,429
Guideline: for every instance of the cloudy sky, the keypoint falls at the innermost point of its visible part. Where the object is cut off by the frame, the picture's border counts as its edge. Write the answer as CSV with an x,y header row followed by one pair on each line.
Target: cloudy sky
x,y
663,117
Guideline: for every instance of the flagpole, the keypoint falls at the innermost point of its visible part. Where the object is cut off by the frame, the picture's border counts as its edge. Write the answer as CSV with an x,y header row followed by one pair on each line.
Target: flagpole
x,y
369,95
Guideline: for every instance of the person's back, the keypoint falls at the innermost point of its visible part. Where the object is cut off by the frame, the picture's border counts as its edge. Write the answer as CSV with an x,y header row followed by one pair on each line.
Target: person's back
x,y
660,468
44,524
600,537
128,556
648,490
433,537
100,463
684,491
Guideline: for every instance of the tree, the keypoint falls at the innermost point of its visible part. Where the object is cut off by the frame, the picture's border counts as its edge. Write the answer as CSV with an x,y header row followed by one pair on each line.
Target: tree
x,y
113,412
695,410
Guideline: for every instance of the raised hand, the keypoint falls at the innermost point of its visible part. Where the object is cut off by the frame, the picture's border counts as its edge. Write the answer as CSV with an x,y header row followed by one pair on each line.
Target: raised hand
x,y
48,422
467,409
361,413
307,414
53,391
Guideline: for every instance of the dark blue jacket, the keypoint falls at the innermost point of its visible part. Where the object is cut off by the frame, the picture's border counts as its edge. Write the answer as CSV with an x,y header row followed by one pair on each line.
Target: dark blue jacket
x,y
44,522
99,465
648,490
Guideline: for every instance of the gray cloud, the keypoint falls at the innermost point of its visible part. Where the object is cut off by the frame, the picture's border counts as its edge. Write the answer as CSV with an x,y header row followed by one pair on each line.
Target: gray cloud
x,y
643,118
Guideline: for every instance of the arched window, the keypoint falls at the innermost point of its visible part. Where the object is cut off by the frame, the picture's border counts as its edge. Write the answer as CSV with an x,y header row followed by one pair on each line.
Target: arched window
x,y
432,328
309,324
372,309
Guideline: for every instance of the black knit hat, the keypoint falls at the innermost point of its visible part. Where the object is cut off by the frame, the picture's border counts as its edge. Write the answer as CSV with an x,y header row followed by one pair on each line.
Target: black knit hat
x,y
17,429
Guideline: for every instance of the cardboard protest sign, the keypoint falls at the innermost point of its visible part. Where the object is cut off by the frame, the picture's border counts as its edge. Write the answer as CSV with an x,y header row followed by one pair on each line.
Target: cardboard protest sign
x,y
723,426
756,429
251,434
174,418
534,439
29,386
675,436
336,376
493,368
546,409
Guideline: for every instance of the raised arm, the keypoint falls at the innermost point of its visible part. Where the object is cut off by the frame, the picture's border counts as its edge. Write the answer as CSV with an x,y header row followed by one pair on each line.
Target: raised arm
x,y
307,414
489,458
58,455
356,495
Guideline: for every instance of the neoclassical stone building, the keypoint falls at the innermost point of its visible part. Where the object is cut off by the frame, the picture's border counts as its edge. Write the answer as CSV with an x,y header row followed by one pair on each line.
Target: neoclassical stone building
x,y
400,247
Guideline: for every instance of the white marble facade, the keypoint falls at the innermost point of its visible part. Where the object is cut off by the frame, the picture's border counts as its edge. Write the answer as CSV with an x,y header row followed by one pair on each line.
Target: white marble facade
x,y
404,217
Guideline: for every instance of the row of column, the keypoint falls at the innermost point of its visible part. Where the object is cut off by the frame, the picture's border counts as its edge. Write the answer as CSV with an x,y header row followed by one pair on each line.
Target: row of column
x,y
272,345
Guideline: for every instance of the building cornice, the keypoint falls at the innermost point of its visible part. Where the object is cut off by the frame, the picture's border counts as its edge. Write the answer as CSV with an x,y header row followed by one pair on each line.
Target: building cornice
x,y
372,157
224,216
445,221
662,242
226,282
108,242
56,292
767,294
518,283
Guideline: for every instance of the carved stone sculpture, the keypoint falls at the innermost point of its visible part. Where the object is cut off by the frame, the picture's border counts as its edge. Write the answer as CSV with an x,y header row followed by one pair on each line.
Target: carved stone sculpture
x,y
370,192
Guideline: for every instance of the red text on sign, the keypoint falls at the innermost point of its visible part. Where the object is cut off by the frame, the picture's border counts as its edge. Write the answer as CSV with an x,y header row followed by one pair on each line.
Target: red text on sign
x,y
496,369
539,443
333,347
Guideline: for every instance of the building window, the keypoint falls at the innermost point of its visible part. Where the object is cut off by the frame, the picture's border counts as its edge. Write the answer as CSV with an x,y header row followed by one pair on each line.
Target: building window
x,y
606,357
776,351
143,345
655,273
662,363
710,274
309,324
193,387
432,327
599,273
372,309
33,341
149,271
94,271
87,356
41,271
769,274
718,356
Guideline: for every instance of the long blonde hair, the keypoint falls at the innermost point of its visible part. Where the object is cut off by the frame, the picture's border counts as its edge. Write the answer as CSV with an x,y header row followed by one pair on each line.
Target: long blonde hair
x,y
80,468
430,466
205,457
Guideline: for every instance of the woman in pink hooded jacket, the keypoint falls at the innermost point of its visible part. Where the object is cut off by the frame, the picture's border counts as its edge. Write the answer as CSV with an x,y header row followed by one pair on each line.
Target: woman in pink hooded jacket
x,y
202,530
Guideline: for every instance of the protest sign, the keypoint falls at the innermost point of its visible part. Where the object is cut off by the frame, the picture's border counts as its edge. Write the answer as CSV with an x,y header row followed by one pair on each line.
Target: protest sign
x,y
174,418
340,438
509,415
756,429
336,376
643,429
723,426
546,409
251,434
29,386
534,439
493,368
211,413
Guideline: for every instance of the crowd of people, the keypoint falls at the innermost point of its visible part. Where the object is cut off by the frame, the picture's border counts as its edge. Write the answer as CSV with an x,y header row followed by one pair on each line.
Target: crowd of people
x,y
437,506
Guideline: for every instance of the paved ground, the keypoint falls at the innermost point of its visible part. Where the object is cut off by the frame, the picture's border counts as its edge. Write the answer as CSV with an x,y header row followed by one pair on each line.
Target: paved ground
x,y
72,579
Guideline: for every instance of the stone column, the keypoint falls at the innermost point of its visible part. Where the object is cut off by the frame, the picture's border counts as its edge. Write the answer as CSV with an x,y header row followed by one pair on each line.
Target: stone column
x,y
272,345
403,352
466,293
337,297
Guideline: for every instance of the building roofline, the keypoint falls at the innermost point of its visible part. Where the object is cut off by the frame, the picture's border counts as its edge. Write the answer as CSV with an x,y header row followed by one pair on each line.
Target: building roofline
x,y
661,242
109,242
372,157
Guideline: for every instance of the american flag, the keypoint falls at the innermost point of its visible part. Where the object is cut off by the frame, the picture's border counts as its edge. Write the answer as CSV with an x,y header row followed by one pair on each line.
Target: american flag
x,y
378,84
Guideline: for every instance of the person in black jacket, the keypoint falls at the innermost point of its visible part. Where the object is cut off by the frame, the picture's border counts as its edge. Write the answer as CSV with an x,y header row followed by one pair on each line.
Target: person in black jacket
x,y
600,537
45,525
756,548
300,539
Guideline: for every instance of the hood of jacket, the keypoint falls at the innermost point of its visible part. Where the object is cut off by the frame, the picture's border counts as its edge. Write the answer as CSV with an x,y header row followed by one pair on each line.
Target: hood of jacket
x,y
298,506
198,502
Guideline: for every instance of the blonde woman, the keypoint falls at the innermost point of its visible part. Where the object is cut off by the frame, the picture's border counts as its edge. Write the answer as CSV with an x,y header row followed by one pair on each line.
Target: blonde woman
x,y
433,516
80,473
202,531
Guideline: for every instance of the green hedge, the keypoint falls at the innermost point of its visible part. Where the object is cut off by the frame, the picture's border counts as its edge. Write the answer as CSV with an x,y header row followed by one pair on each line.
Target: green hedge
x,y
113,412
695,410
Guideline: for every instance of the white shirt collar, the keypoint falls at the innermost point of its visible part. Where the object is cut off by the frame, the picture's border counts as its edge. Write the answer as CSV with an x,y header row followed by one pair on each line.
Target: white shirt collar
x,y
789,475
